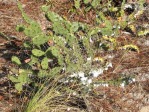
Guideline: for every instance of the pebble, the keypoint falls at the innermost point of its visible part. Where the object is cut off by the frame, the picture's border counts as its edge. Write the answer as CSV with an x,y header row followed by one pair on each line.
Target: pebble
x,y
8,2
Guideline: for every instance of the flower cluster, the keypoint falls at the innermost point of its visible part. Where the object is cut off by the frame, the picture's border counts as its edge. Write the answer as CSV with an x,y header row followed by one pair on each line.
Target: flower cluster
x,y
86,79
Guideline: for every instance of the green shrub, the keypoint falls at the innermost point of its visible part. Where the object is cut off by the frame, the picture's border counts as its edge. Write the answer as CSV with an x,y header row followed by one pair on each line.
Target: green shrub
x,y
73,44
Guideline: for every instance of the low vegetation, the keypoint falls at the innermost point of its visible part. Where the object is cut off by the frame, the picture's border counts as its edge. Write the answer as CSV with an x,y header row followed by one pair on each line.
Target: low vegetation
x,y
64,63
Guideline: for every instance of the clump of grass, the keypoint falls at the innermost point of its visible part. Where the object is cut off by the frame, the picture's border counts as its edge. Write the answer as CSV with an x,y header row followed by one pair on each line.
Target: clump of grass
x,y
57,97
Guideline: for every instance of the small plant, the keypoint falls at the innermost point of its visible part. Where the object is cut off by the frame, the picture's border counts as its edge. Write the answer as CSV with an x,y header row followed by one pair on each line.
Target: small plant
x,y
66,53
73,44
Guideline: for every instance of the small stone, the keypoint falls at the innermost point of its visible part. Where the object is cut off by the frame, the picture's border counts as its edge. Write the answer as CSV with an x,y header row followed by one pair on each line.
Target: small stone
x,y
144,109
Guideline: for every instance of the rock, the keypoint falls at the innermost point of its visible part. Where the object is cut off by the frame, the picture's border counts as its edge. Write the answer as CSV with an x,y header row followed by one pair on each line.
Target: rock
x,y
8,2
144,109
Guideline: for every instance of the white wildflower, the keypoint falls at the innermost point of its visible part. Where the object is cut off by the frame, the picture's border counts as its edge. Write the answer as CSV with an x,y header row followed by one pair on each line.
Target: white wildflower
x,y
74,93
84,80
112,34
96,73
81,74
106,68
108,65
64,69
122,85
110,56
89,59
89,81
100,44
73,75
133,79
96,85
105,85
66,81
71,80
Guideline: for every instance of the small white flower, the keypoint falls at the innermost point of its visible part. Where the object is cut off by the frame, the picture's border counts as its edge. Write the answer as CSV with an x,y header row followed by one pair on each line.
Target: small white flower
x,y
89,59
73,75
64,68
84,80
65,82
122,85
96,73
109,65
110,56
81,74
89,81
105,85
106,68
112,34
74,93
100,44
133,79
71,80
96,85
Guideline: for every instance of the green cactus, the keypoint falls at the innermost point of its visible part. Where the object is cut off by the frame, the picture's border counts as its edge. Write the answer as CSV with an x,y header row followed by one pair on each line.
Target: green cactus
x,y
44,63
20,80
16,60
37,52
